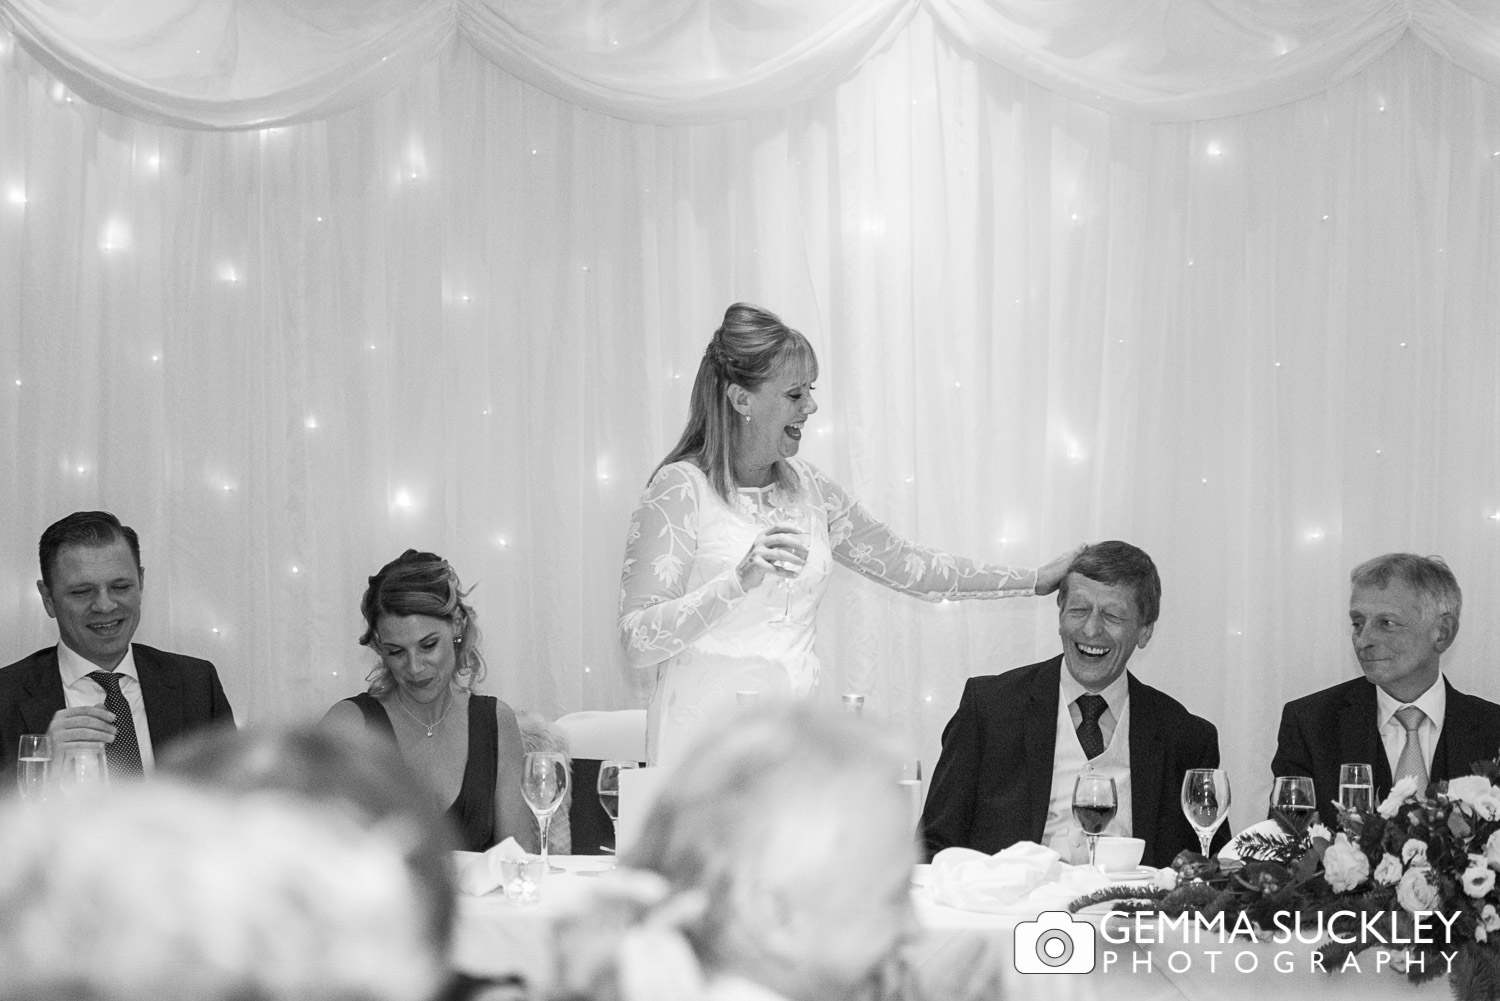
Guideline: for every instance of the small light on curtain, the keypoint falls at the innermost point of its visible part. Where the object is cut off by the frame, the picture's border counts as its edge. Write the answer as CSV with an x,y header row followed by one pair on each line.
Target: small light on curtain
x,y
154,161
402,500
1313,534
1325,218
1204,480
485,412
416,161
215,630
115,235
59,93
228,488
463,298
587,669
1190,262
1495,516
1214,150
319,219
311,423
533,152
227,273
1377,451
18,382
16,195
601,469
927,698
501,542
81,470
1403,344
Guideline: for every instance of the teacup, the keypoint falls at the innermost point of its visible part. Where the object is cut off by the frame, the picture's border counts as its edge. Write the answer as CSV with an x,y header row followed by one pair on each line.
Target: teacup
x,y
1114,854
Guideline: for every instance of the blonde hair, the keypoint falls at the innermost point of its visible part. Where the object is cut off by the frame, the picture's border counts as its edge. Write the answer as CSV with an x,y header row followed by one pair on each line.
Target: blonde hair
x,y
418,583
182,894
750,346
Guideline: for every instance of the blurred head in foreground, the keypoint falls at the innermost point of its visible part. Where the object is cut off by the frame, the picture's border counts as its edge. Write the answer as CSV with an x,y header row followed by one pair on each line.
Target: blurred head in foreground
x,y
164,891
781,849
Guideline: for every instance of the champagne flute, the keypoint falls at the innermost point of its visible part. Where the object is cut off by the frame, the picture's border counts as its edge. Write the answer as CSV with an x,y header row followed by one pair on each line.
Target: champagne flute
x,y
796,515
544,783
1293,804
32,763
609,788
82,769
1094,806
1356,788
1205,802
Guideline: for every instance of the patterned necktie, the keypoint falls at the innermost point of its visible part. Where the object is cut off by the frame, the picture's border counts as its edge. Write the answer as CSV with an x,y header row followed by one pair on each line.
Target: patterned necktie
x,y
1411,762
122,753
1089,734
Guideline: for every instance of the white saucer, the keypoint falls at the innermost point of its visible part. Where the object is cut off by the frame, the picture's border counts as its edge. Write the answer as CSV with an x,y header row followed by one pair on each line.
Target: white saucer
x,y
1138,874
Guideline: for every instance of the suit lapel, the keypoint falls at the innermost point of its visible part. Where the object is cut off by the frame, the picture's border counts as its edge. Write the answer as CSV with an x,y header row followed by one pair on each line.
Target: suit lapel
x,y
1147,761
1458,744
1359,735
43,697
159,692
1039,730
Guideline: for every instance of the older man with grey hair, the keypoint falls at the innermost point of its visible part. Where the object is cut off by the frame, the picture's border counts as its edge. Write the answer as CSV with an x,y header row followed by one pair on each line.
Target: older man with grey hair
x,y
1404,613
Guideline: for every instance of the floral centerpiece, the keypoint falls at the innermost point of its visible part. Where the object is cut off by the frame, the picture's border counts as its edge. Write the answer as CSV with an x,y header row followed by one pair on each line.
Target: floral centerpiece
x,y
1425,860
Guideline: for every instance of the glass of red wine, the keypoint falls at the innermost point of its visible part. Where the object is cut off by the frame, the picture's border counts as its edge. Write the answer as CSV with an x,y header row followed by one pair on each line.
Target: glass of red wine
x,y
1293,804
1094,806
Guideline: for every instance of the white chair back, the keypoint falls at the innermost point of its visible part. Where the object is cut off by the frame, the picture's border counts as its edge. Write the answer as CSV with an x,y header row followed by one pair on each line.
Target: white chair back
x,y
603,735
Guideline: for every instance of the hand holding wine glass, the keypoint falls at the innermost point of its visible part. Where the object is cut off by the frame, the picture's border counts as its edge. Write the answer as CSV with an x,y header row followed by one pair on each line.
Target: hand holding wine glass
x,y
609,787
1293,804
544,783
1094,806
1205,802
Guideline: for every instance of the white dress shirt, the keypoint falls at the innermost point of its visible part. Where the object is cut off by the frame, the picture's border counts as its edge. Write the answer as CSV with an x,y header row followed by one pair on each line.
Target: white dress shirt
x,y
1062,833
81,690
1433,702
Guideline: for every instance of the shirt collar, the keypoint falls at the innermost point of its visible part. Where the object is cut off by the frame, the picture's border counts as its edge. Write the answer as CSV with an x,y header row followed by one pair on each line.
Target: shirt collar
x,y
1433,702
75,666
1115,693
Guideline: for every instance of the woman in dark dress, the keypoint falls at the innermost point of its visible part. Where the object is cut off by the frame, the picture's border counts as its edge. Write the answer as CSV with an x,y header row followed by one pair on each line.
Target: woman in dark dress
x,y
465,748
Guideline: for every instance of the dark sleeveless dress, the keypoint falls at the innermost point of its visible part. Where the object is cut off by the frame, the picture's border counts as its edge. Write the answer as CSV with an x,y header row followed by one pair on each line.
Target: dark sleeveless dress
x,y
473,812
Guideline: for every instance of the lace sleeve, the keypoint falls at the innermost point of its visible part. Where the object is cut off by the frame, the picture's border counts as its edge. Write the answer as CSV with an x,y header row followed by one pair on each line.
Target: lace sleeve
x,y
659,616
867,546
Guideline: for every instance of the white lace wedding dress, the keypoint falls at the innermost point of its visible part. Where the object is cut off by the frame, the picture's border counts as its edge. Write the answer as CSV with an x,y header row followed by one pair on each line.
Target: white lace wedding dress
x,y
683,611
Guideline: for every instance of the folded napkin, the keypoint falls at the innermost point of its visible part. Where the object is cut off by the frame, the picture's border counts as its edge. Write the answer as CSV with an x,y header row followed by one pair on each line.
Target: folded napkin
x,y
483,874
1025,879
1266,829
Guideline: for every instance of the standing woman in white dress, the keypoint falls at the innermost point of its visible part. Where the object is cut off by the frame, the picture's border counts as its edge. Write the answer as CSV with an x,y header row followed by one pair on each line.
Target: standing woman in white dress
x,y
729,553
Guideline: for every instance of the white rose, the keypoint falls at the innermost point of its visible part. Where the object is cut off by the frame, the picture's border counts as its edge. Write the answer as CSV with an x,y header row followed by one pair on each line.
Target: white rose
x,y
1388,872
1492,849
1317,830
1478,796
1479,878
1414,853
1345,866
1400,793
1416,892
1490,918
1165,879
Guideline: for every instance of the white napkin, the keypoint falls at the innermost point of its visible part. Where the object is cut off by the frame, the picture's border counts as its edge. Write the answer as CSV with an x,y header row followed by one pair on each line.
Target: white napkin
x,y
1266,828
483,874
1025,878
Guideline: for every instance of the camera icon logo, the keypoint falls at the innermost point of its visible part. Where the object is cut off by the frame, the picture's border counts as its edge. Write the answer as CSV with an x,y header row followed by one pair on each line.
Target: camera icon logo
x,y
1056,942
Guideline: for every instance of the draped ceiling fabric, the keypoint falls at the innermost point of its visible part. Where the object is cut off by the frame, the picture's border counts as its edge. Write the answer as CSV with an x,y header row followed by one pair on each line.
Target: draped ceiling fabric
x,y
291,287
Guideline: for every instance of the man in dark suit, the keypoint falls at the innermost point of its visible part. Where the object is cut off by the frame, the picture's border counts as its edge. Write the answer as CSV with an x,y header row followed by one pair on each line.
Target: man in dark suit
x,y
95,686
1016,744
1404,610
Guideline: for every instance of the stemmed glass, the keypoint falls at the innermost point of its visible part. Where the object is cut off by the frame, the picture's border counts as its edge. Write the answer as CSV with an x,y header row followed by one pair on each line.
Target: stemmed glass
x,y
1356,789
82,769
1205,802
544,783
1292,802
609,788
32,762
770,514
1094,806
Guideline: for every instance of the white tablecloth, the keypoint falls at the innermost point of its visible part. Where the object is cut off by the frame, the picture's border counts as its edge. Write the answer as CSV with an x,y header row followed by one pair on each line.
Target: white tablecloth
x,y
493,937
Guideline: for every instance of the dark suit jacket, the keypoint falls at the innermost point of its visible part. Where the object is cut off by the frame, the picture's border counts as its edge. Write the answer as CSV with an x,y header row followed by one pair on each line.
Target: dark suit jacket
x,y
1336,726
993,781
182,694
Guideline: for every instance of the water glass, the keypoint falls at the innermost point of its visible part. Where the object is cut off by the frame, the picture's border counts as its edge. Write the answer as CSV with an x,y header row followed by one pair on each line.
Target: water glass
x,y
1292,802
609,786
82,769
544,783
1205,802
1356,788
911,782
33,761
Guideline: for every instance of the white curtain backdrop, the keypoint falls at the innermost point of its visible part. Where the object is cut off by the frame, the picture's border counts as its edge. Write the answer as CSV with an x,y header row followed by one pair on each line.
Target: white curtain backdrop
x,y
1219,282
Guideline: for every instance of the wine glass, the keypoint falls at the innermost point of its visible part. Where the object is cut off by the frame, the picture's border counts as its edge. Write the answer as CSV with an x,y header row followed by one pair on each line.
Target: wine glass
x,y
1205,802
544,783
32,762
1094,806
769,514
1293,804
1356,788
82,769
609,787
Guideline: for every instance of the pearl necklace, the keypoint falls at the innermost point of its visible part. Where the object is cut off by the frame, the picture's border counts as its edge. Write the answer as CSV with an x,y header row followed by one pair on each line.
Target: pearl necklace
x,y
430,729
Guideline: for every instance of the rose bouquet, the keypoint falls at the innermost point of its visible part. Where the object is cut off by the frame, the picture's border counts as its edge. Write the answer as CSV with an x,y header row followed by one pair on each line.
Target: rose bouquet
x,y
1423,853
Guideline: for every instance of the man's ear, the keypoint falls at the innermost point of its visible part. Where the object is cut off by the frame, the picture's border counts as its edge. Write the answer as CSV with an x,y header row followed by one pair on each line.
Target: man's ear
x,y
46,593
1145,636
1444,631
